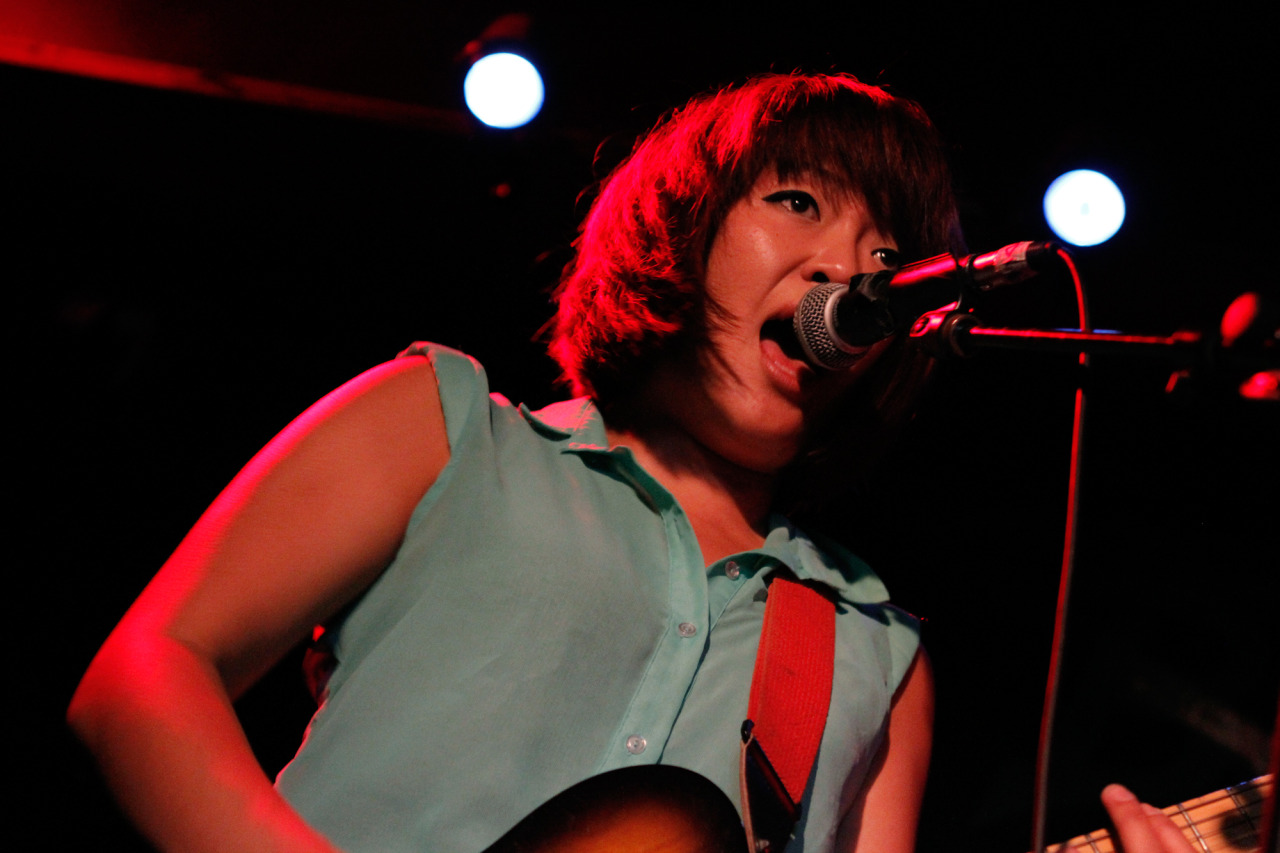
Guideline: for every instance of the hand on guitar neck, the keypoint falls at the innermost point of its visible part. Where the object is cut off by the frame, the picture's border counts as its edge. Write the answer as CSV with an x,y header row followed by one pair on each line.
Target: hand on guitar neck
x,y
1226,821
1142,828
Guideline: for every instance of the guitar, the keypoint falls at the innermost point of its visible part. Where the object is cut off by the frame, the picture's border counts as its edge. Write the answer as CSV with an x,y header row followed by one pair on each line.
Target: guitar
x,y
662,809
652,809
1226,821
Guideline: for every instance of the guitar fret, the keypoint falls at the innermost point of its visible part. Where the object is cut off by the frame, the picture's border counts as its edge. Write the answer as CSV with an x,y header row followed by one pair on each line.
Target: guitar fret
x,y
1194,835
1248,800
1098,841
1103,837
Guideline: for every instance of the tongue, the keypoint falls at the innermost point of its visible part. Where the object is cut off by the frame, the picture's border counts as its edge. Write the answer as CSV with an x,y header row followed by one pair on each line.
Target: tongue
x,y
782,333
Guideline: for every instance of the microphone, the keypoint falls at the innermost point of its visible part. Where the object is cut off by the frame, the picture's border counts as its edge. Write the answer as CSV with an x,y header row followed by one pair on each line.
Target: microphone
x,y
837,323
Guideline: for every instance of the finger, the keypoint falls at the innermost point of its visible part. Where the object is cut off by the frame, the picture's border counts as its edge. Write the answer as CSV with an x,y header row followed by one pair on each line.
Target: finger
x,y
1138,830
1166,830
1132,828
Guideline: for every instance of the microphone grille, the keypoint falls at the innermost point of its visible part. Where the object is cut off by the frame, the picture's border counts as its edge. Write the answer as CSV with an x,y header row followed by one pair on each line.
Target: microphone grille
x,y
814,324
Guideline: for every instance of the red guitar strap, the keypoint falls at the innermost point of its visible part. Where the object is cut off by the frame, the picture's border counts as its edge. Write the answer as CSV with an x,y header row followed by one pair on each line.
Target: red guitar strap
x,y
787,711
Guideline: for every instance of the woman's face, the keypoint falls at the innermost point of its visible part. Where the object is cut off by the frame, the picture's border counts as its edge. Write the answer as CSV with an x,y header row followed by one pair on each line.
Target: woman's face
x,y
748,396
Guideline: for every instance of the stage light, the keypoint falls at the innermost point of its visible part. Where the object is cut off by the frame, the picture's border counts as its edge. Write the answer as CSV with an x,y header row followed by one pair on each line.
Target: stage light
x,y
1084,207
503,90
503,87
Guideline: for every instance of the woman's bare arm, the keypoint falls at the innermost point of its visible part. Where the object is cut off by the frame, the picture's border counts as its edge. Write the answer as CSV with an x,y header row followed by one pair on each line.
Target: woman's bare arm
x,y
308,524
888,809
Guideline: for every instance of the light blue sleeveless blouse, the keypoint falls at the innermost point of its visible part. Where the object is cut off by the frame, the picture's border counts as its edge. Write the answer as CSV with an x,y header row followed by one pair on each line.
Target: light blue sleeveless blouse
x,y
547,618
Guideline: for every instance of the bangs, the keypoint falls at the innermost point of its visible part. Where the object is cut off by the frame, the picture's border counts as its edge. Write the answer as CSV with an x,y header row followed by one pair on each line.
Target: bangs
x,y
843,161
857,141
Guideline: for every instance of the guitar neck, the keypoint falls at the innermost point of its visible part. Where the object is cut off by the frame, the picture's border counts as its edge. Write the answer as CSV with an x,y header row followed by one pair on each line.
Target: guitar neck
x,y
1226,821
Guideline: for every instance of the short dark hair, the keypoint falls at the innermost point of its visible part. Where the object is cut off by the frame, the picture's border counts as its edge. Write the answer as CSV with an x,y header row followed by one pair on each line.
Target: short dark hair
x,y
635,285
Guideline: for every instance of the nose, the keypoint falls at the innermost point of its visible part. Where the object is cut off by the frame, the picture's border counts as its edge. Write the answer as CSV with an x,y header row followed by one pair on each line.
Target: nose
x,y
842,252
833,264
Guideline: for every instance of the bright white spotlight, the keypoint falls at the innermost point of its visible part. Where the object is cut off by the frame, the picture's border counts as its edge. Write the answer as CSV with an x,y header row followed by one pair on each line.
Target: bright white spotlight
x,y
503,90
1084,207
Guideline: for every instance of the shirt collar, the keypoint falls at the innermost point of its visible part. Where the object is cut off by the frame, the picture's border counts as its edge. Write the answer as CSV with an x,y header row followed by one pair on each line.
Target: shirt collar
x,y
824,560
577,422
579,425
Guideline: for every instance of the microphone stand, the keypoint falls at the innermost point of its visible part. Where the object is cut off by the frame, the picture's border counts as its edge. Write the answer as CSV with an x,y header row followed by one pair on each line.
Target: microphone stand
x,y
966,335
955,332
1248,343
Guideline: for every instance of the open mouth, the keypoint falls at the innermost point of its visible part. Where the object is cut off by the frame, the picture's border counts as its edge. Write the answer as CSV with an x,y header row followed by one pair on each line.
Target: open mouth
x,y
783,333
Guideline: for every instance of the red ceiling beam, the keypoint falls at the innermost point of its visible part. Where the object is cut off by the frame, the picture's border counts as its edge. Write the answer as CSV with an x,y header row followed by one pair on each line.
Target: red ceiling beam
x,y
162,75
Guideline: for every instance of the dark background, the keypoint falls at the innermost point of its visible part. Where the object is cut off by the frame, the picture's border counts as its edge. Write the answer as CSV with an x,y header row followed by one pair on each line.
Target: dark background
x,y
188,273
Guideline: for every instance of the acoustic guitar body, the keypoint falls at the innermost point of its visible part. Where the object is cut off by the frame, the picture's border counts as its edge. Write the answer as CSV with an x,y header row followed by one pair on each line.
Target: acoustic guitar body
x,y
651,809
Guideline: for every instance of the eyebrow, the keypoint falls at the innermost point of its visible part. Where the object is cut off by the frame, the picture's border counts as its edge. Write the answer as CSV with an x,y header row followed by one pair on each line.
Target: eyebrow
x,y
835,195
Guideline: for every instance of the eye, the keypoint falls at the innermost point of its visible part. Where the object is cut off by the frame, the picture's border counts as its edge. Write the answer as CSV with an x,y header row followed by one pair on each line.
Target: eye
x,y
796,201
890,258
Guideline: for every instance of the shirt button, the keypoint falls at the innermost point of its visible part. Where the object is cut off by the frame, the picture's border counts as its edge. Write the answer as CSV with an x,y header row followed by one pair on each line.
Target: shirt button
x,y
731,570
687,629
636,744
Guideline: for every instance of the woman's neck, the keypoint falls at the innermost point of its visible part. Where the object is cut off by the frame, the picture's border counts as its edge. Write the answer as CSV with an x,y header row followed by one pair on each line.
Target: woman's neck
x,y
727,505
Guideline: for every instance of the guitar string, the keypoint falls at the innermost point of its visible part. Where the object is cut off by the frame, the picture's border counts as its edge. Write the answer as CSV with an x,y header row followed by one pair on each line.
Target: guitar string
x,y
1228,799
1192,826
1261,787
1100,841
1247,811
